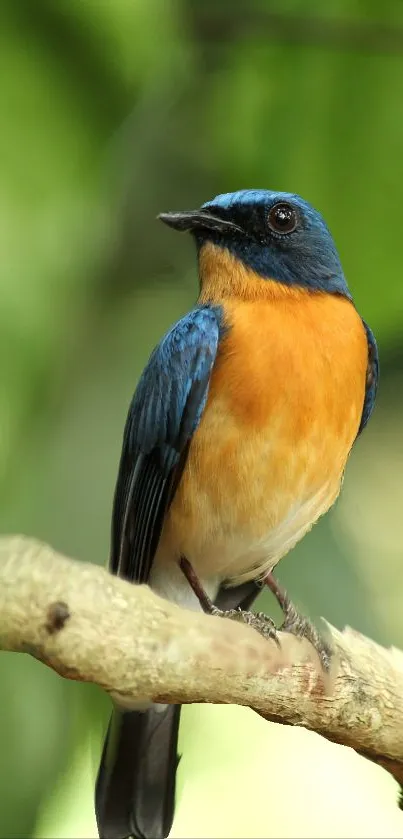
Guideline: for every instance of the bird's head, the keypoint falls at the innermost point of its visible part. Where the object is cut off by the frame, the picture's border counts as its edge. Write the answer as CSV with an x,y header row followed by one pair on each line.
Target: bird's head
x,y
267,235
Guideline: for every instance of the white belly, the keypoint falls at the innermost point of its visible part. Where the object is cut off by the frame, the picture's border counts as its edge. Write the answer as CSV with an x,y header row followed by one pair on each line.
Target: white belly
x,y
168,581
220,554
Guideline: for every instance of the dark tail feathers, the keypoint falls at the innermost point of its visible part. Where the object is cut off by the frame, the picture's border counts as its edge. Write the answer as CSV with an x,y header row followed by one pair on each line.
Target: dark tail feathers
x,y
135,790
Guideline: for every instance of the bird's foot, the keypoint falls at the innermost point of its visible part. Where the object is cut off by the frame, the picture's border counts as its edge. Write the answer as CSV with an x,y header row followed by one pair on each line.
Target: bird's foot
x,y
297,624
261,622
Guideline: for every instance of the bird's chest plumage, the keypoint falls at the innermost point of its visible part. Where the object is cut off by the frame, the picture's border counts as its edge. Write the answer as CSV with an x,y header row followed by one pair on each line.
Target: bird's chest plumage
x,y
284,407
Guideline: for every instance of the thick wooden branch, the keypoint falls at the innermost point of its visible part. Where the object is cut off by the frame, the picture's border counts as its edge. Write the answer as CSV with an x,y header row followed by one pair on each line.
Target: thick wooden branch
x,y
90,626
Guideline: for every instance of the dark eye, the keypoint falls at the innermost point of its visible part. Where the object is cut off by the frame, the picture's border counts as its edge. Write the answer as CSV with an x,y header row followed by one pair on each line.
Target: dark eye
x,y
282,218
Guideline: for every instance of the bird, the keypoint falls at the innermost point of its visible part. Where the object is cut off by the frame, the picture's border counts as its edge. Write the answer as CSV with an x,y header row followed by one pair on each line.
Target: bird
x,y
235,443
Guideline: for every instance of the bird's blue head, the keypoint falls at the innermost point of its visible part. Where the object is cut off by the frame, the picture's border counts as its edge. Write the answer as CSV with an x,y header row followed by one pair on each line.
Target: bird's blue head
x,y
277,235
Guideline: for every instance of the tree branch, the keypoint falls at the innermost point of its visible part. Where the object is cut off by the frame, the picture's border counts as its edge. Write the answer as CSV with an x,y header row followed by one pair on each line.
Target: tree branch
x,y
90,626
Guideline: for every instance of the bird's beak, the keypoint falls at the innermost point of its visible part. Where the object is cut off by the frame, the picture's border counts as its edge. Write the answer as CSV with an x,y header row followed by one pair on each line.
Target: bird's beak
x,y
199,220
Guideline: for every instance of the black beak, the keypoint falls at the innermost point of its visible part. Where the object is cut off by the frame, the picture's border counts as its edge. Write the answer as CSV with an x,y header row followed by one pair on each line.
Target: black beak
x,y
199,220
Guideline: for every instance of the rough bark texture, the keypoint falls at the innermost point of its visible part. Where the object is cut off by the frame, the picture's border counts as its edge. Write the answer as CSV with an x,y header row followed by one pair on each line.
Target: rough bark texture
x,y
90,626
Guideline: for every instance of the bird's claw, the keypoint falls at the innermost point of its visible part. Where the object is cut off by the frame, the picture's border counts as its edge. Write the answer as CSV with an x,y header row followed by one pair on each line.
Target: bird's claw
x,y
293,622
297,624
259,621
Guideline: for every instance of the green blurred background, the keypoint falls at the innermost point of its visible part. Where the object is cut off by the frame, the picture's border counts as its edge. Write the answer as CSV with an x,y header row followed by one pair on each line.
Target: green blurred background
x,y
112,112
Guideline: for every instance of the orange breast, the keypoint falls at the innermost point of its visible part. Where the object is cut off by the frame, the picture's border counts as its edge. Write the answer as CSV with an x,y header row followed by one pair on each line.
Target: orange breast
x,y
283,411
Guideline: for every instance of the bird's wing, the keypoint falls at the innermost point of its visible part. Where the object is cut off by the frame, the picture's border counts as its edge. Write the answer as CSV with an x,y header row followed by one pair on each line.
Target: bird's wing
x,y
163,416
371,385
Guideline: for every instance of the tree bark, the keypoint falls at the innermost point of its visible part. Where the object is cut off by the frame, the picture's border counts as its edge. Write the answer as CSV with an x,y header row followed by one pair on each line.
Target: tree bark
x,y
90,626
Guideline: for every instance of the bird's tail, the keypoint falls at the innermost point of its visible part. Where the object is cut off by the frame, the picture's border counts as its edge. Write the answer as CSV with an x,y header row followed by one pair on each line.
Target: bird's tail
x,y
135,789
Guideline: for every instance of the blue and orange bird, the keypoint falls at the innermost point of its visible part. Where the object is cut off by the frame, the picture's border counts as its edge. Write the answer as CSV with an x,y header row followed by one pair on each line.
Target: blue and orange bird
x,y
236,442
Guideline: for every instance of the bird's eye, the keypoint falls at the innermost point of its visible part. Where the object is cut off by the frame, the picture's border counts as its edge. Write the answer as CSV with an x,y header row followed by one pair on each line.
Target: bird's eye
x,y
282,218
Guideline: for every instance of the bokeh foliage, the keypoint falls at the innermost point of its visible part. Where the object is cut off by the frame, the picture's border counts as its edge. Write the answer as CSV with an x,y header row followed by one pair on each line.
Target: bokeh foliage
x,y
111,113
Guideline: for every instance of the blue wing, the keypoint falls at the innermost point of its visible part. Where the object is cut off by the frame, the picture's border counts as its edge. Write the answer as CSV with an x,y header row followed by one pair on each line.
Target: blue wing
x,y
372,378
163,416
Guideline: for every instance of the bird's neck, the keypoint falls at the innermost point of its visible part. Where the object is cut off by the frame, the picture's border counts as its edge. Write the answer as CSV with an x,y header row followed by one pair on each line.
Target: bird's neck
x,y
223,276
